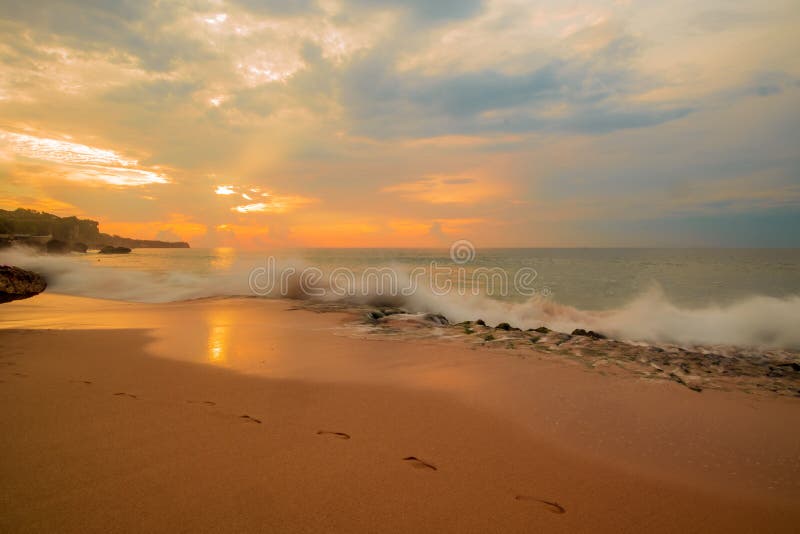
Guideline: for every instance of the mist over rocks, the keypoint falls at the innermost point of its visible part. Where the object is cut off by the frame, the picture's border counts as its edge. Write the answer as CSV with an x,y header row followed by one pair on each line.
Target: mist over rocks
x,y
17,284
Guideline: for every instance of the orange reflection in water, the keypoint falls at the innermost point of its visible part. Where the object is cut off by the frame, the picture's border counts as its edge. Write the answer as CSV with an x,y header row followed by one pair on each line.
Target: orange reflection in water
x,y
223,257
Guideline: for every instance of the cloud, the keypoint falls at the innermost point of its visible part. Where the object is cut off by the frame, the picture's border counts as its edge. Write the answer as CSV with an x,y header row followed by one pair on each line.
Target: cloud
x,y
280,7
448,189
262,201
424,11
138,28
589,95
391,119
225,190
275,204
81,162
247,208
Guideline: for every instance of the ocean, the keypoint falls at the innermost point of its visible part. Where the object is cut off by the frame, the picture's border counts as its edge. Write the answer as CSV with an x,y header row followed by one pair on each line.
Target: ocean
x,y
691,296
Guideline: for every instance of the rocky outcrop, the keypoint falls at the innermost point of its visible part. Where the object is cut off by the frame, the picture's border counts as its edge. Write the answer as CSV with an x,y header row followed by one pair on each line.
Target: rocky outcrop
x,y
108,249
591,333
16,283
436,318
56,246
34,229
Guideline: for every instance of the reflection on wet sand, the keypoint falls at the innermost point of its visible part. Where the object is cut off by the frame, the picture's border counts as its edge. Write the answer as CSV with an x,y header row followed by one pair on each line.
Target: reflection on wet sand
x,y
218,339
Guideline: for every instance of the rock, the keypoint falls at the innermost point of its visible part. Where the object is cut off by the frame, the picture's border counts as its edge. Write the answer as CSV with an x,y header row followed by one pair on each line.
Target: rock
x,y
591,333
108,249
373,316
794,366
437,318
480,322
54,246
16,283
681,381
542,330
774,372
80,247
503,326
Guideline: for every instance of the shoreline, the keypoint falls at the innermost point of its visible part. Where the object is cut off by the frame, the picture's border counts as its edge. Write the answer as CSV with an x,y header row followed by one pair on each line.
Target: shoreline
x,y
613,451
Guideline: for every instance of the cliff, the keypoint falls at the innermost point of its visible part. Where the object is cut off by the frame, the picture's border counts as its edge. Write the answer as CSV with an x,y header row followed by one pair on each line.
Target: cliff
x,y
71,230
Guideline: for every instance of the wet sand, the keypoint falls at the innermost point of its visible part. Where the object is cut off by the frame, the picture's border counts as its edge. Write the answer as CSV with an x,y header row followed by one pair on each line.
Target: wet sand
x,y
245,415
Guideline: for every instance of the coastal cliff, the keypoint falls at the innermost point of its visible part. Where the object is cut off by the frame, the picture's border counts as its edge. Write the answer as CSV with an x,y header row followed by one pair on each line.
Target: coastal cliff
x,y
38,228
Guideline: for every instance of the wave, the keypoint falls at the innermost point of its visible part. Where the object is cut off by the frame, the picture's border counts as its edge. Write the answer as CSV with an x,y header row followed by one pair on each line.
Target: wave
x,y
651,317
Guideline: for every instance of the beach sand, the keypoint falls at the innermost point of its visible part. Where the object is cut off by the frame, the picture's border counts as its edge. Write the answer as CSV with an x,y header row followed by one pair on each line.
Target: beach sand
x,y
246,415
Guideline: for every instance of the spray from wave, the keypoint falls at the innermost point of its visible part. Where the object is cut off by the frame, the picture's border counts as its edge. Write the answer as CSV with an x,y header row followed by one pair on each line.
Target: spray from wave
x,y
755,321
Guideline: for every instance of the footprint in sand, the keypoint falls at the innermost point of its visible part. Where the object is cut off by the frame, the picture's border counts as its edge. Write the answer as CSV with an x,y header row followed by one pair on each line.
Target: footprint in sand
x,y
551,506
204,403
250,419
419,464
123,394
340,435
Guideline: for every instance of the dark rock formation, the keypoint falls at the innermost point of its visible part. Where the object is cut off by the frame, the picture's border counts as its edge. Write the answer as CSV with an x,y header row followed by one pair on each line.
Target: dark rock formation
x,y
27,227
108,249
437,318
79,247
591,333
16,283
542,330
56,246
373,316
503,326
480,322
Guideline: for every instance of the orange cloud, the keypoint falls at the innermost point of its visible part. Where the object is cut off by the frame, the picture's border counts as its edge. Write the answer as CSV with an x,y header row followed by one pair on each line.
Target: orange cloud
x,y
82,162
449,189
262,201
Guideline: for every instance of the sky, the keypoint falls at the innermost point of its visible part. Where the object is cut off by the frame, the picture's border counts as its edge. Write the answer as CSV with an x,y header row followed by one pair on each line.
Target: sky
x,y
388,123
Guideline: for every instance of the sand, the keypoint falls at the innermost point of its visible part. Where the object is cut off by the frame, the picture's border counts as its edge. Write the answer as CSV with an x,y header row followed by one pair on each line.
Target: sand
x,y
248,416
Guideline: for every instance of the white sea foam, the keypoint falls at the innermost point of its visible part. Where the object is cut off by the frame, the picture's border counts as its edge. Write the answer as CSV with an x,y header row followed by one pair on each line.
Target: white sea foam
x,y
754,321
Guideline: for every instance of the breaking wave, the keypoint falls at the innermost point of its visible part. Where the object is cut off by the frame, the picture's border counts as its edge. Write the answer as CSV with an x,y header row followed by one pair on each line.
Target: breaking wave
x,y
651,317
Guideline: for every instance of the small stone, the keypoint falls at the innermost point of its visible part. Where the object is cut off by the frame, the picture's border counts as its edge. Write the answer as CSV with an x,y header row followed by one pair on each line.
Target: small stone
x,y
373,316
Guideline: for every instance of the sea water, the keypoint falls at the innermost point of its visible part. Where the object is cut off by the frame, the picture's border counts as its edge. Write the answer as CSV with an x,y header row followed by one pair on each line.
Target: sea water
x,y
733,296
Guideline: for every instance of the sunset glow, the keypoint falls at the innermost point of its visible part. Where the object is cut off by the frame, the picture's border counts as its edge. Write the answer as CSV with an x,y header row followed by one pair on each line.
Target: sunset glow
x,y
357,123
